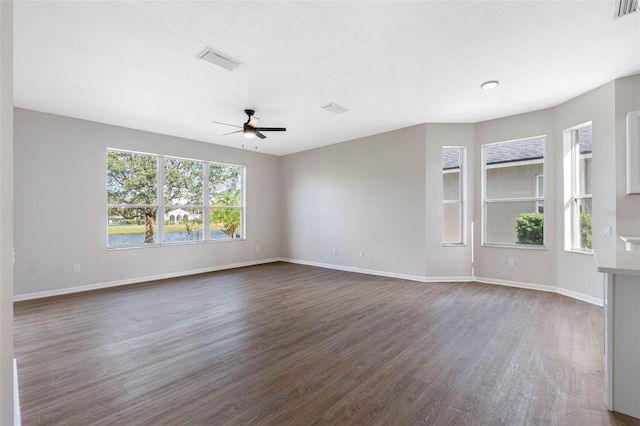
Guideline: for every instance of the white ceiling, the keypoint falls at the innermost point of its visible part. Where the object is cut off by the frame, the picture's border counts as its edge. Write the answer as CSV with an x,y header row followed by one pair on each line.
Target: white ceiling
x,y
392,63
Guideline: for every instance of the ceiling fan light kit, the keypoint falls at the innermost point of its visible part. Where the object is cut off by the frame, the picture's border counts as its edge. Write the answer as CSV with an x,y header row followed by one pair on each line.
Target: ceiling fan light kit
x,y
250,129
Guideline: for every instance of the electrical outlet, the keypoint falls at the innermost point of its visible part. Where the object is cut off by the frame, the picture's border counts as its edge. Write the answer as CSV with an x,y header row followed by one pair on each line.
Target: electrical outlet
x,y
361,253
76,267
334,251
606,231
258,248
511,262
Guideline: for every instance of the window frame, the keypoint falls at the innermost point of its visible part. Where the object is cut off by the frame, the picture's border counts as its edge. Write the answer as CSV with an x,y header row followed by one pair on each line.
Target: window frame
x,y
572,178
461,201
537,200
161,206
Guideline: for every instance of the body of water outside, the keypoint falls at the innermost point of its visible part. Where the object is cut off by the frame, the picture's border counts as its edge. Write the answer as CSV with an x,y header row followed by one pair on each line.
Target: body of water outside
x,y
132,240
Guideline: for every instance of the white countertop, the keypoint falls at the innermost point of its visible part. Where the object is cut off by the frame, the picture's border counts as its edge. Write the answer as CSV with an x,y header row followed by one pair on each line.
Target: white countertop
x,y
618,262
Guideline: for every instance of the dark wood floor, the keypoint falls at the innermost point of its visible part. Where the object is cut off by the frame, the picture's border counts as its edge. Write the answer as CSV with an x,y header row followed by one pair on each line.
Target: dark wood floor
x,y
284,344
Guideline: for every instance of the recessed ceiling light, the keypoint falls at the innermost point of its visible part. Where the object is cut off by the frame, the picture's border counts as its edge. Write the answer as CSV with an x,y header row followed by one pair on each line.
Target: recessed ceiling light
x,y
489,85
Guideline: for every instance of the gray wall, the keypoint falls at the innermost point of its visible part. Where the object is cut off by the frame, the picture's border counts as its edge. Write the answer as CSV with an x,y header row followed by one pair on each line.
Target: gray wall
x,y
341,197
6,213
627,93
364,195
380,195
61,166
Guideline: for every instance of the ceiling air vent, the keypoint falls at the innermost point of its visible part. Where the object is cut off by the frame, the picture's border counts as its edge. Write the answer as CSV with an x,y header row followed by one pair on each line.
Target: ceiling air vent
x,y
335,108
219,59
624,7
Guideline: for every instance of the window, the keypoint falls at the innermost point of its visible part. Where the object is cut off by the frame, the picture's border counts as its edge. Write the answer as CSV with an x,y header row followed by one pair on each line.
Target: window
x,y
192,210
513,207
578,218
540,193
452,196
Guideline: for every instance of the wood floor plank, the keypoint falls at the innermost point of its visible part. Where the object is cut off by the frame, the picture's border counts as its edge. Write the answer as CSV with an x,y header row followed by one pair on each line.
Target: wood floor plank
x,y
283,344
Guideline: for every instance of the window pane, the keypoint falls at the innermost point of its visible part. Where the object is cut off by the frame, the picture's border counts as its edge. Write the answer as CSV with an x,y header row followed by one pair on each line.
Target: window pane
x,y
182,225
226,223
183,182
451,229
511,168
131,178
514,223
585,233
225,185
129,227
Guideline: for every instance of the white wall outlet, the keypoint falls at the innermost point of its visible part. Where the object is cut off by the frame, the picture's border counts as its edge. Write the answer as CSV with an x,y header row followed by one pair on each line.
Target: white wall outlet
x,y
334,251
511,262
361,253
606,231
258,247
76,267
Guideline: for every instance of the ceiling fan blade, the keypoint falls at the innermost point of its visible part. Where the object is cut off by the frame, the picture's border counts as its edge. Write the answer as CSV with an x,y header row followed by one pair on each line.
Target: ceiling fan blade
x,y
227,124
260,135
272,129
231,133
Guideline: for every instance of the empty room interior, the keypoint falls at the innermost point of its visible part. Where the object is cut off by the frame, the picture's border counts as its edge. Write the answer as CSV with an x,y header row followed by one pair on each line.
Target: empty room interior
x,y
296,213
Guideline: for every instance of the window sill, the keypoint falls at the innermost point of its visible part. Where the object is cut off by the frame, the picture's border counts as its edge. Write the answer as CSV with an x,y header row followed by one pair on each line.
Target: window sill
x,y
589,253
454,245
515,246
190,243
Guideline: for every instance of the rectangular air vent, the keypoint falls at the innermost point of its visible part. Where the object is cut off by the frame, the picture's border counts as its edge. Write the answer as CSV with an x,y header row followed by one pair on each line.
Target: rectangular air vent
x,y
219,59
335,108
624,7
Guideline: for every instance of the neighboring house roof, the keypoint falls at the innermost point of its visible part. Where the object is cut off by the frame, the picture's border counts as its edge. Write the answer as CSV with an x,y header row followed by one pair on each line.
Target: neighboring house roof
x,y
526,150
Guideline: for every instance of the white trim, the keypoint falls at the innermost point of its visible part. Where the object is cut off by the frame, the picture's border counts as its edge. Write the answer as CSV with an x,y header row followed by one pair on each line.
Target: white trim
x,y
633,152
379,273
98,286
541,287
17,418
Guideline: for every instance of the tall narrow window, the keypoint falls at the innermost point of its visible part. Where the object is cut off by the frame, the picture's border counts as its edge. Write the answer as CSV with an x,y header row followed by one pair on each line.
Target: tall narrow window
x,y
183,200
225,201
132,199
512,206
580,217
452,195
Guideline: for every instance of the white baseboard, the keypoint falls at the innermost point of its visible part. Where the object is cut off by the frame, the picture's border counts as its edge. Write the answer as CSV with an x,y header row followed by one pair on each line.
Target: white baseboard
x,y
540,287
98,286
17,417
379,273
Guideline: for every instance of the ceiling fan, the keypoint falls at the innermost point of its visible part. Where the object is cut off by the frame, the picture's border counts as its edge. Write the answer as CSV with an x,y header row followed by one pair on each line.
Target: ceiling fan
x,y
250,129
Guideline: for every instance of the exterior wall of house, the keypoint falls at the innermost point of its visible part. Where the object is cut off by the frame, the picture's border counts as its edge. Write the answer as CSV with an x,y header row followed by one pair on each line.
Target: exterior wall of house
x,y
61,161
510,181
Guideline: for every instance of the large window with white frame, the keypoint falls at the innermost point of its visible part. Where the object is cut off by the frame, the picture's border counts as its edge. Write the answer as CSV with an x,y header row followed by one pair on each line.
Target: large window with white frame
x,y
157,200
453,163
579,208
513,193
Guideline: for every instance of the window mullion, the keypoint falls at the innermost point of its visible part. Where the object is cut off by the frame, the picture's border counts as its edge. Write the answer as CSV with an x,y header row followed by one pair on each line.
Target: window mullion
x,y
206,211
160,212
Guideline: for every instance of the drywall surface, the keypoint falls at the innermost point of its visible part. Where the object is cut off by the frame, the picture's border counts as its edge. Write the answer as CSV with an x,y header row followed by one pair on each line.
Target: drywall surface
x,y
449,262
530,266
627,211
6,214
60,206
358,204
576,272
